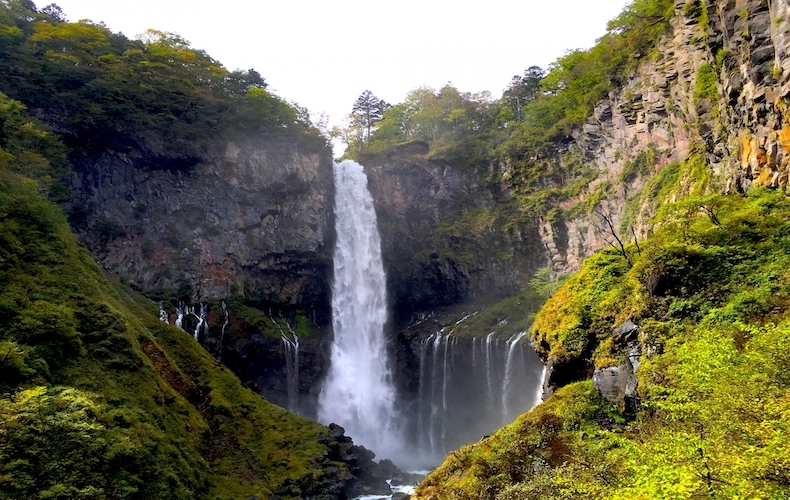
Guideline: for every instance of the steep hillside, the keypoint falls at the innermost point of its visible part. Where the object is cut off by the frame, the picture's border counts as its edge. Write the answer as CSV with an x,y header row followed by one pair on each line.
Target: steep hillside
x,y
100,399
183,178
688,346
187,181
681,321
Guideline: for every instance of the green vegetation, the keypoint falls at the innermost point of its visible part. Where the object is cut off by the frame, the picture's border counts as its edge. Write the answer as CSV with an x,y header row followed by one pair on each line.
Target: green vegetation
x,y
509,145
642,165
705,88
710,291
537,107
158,97
98,398
512,315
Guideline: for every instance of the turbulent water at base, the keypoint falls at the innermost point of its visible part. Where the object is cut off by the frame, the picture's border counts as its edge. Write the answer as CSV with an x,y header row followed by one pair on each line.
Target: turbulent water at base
x,y
358,393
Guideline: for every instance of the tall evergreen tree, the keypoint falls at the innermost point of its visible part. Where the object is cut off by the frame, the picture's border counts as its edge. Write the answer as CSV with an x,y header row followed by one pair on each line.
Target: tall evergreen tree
x,y
366,112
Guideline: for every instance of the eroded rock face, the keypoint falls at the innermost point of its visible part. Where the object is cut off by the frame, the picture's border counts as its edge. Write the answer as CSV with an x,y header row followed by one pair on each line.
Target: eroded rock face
x,y
426,267
253,216
739,124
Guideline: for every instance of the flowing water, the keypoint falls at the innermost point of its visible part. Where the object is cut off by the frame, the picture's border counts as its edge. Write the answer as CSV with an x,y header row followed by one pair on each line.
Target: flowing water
x,y
470,387
467,387
358,393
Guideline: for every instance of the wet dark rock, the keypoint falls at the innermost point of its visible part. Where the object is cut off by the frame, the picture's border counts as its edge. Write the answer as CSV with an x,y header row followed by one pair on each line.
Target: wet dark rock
x,y
367,476
251,216
413,195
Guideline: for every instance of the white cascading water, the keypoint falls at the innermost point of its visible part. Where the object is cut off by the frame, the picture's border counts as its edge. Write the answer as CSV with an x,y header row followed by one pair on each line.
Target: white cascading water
x,y
508,371
180,315
291,347
201,316
468,388
358,393
163,316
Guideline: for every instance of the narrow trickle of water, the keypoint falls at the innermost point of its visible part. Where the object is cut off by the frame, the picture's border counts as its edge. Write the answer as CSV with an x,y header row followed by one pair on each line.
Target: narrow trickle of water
x,y
291,365
226,322
489,368
508,370
358,393
163,316
201,316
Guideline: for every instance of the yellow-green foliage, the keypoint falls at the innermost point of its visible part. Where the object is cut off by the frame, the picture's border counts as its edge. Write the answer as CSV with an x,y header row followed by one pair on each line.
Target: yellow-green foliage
x,y
705,85
592,302
99,399
692,177
710,291
545,441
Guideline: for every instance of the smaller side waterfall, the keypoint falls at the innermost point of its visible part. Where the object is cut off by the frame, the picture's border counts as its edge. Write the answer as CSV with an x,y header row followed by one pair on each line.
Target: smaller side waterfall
x,y
469,387
201,316
291,346
225,323
163,316
508,372
180,312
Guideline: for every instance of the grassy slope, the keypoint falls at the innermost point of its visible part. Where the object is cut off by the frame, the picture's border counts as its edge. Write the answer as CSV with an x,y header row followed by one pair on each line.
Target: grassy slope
x,y
101,400
710,295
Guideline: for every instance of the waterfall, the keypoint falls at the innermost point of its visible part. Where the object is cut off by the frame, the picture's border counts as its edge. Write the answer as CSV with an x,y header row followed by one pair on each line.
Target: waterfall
x,y
358,392
489,367
469,387
539,392
226,321
163,317
291,364
201,316
180,315
508,372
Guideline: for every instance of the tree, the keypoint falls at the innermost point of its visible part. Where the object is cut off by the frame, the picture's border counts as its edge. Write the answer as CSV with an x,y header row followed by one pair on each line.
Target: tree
x,y
523,89
606,229
366,112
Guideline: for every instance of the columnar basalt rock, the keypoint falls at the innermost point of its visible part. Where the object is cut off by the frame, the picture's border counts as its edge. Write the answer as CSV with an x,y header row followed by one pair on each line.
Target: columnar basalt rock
x,y
739,124
253,216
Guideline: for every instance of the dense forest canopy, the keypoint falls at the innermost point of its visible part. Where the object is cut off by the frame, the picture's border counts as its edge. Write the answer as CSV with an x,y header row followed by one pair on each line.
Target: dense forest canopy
x,y
158,96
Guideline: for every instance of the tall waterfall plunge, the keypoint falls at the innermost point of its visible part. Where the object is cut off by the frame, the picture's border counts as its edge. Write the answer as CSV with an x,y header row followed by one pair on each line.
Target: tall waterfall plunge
x,y
358,393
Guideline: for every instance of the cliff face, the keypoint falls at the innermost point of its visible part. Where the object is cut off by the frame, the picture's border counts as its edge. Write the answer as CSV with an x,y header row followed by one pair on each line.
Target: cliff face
x,y
717,87
420,205
252,217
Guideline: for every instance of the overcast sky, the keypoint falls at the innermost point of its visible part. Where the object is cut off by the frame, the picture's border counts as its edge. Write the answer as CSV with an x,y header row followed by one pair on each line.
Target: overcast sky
x,y
323,54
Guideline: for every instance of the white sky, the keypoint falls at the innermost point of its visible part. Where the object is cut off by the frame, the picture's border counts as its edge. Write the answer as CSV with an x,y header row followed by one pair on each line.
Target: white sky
x,y
323,54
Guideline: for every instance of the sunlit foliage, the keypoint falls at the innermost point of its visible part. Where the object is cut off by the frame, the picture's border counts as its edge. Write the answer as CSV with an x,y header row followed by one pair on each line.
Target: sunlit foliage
x,y
710,291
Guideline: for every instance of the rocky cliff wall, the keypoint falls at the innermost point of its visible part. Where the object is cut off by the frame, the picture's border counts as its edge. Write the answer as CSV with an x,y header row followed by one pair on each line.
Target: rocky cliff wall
x,y
421,204
717,86
715,89
252,217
